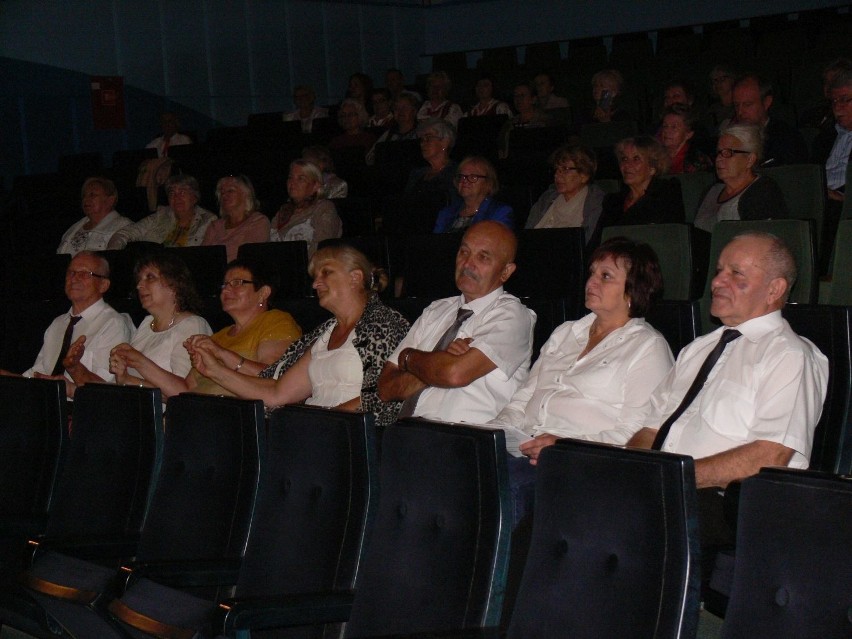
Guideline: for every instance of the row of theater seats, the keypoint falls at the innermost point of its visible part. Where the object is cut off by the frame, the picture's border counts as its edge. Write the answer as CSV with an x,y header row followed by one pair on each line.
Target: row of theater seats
x,y
223,524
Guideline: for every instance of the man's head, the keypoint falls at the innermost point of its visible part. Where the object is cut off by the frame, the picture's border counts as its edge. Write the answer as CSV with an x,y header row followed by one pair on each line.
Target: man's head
x,y
754,275
169,123
86,280
752,99
544,85
840,96
485,259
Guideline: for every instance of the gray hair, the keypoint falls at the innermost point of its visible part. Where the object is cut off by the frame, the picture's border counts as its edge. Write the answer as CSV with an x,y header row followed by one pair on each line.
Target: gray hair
x,y
247,188
750,136
103,263
313,171
442,129
184,180
609,74
107,185
779,258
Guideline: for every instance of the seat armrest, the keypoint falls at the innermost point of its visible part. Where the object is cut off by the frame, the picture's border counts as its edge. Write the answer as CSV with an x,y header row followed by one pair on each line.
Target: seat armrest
x,y
188,574
731,503
88,547
283,611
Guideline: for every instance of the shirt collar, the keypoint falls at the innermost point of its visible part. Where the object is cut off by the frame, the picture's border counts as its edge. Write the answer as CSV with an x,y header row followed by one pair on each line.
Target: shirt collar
x,y
841,131
91,311
755,328
479,305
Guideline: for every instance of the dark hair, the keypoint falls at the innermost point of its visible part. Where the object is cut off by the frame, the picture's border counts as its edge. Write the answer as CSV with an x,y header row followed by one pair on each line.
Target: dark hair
x,y
261,273
681,83
684,112
644,283
763,85
178,277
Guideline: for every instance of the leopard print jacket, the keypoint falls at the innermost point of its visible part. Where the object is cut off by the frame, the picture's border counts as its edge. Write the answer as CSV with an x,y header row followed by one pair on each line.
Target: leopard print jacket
x,y
377,335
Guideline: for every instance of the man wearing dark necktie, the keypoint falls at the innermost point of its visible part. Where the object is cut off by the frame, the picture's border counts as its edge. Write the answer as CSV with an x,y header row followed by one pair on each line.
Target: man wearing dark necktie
x,y
466,355
738,400
89,318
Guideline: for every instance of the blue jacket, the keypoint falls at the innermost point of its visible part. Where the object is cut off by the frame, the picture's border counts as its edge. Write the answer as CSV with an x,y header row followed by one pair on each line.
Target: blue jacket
x,y
488,210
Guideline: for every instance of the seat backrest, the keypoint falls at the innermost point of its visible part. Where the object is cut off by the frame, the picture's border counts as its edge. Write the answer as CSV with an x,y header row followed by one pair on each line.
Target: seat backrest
x,y
606,134
112,461
673,245
317,498
803,186
205,494
551,264
799,236
288,259
33,436
207,265
693,187
678,321
846,209
840,293
438,553
828,327
614,549
791,577
430,265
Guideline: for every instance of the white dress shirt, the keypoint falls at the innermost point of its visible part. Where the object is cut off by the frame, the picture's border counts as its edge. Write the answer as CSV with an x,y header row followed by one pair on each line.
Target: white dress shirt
x,y
104,328
769,384
502,330
590,398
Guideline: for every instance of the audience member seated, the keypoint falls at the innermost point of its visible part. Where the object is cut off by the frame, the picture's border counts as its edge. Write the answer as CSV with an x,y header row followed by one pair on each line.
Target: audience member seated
x,y
404,126
429,188
338,364
607,86
307,215
676,134
101,220
761,402
466,356
721,110
476,181
572,200
181,223
782,144
169,123
240,221
438,105
544,96
359,89
486,103
352,118
258,337
90,320
333,186
645,198
395,83
593,374
528,116
304,99
382,115
742,194
155,351
822,114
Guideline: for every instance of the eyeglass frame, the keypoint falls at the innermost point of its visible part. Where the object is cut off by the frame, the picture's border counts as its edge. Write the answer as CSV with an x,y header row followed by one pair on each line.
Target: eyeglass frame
x,y
470,178
728,152
83,275
230,283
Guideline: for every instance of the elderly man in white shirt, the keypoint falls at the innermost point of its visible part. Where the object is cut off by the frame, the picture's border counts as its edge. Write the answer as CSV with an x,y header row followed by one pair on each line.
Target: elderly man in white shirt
x,y
475,376
86,281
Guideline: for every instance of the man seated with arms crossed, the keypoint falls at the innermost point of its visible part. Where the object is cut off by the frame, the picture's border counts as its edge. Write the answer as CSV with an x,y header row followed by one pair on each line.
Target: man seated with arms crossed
x,y
90,319
763,396
456,365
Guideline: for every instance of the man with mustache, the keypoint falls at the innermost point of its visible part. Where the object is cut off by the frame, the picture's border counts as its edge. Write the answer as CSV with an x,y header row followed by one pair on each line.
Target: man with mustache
x,y
457,366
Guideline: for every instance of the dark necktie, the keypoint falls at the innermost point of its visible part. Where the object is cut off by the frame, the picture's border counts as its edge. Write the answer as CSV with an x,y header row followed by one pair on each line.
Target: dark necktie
x,y
728,335
447,338
58,368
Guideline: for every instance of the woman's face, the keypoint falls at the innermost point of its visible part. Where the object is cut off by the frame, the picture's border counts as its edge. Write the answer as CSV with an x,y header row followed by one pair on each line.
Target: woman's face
x,y
636,170
437,91
523,99
347,118
301,187
472,182
432,146
333,283
405,115
96,203
738,165
484,90
232,197
605,289
242,297
723,85
182,199
568,179
674,132
155,294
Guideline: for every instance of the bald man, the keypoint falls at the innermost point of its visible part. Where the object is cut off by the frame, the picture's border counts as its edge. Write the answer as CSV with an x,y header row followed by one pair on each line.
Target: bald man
x,y
475,376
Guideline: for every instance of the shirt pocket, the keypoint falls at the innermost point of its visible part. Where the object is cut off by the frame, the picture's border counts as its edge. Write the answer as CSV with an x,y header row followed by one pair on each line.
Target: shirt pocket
x,y
729,409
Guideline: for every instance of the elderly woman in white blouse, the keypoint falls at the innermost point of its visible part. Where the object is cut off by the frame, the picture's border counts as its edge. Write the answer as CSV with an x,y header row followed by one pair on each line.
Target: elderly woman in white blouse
x,y
594,373
101,220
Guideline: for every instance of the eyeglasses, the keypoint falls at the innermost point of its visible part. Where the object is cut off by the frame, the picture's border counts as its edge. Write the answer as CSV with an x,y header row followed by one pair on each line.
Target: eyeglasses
x,y
729,153
564,170
235,283
470,178
84,276
428,137
843,100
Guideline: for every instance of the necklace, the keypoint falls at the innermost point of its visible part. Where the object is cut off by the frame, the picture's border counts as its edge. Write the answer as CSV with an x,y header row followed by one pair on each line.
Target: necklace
x,y
171,323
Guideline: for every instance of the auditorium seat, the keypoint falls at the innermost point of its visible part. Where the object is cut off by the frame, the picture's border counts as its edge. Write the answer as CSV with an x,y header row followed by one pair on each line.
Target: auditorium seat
x,y
678,321
791,578
207,265
837,291
693,188
803,186
289,261
614,550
